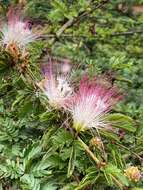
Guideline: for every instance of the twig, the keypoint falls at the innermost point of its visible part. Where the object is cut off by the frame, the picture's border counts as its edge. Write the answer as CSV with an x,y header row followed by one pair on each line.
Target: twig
x,y
43,37
117,182
139,157
63,28
86,148
90,37
127,33
100,5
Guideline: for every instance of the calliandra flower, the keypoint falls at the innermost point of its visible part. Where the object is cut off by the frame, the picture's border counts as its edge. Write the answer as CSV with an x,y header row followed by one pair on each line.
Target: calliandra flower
x,y
16,34
133,173
56,87
90,105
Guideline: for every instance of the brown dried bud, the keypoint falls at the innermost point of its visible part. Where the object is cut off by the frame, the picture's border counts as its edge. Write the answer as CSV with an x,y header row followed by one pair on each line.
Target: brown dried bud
x,y
13,50
96,141
133,173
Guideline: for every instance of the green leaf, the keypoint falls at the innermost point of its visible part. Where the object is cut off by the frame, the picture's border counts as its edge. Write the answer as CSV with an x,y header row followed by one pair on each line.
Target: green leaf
x,y
1,188
46,116
26,108
9,129
119,78
29,182
19,98
90,178
71,164
1,106
49,186
110,135
116,175
62,137
56,161
5,61
32,152
122,121
41,169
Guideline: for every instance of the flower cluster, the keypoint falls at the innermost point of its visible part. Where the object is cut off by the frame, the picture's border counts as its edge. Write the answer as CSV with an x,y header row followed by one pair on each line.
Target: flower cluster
x,y
89,105
16,34
56,86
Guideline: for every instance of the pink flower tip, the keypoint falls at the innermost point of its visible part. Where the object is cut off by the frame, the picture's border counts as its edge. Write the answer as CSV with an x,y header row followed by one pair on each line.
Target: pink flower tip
x,y
16,31
91,104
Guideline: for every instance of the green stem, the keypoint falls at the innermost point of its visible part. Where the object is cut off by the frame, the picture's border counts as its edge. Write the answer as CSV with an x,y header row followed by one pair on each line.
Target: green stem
x,y
89,152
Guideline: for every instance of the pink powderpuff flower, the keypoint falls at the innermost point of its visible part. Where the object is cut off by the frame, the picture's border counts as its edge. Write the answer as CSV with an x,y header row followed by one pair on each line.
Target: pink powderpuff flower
x,y
16,32
91,104
66,67
56,87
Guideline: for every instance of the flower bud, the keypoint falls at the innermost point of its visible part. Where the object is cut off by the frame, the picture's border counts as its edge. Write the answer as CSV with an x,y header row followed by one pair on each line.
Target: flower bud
x,y
96,141
133,173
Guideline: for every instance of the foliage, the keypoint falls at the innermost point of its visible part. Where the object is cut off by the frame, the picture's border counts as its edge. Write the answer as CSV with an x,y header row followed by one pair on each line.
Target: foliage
x,y
37,152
